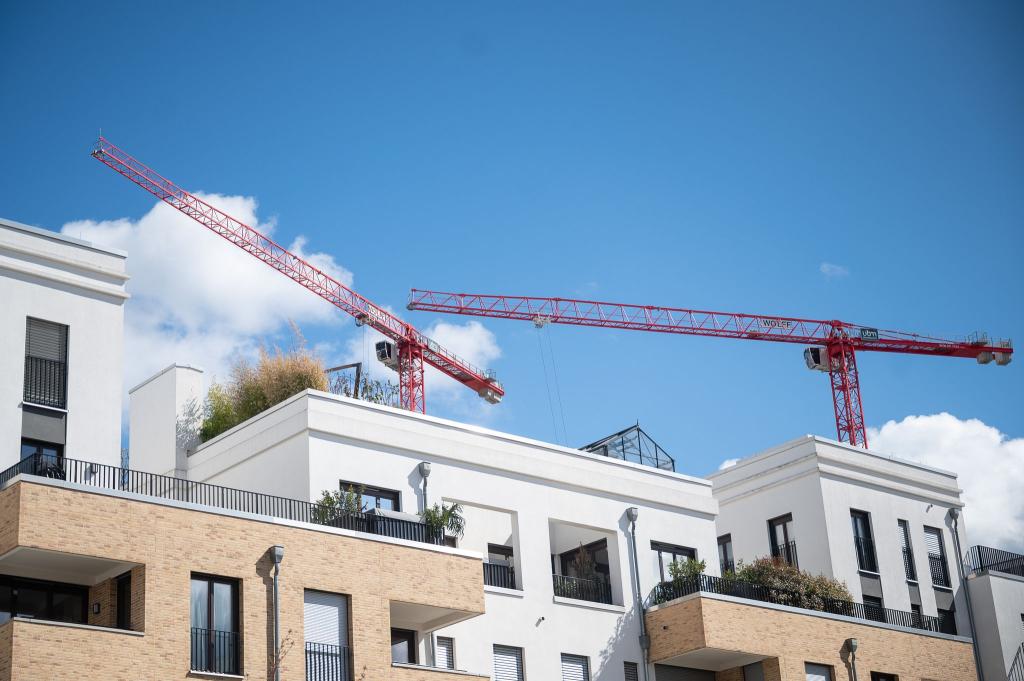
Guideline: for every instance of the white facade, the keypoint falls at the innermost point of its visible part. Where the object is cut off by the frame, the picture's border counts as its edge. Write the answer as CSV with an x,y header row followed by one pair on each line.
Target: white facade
x,y
821,483
997,600
538,498
54,278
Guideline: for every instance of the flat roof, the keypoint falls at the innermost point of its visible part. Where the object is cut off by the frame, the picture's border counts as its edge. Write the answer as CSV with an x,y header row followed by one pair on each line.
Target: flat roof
x,y
57,236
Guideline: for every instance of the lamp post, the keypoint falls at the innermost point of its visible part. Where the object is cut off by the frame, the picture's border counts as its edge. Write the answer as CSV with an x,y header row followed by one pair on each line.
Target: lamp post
x,y
277,553
954,516
645,641
851,645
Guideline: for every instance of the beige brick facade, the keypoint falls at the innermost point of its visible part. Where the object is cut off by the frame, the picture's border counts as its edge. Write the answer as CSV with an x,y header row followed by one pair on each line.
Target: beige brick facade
x,y
169,544
789,639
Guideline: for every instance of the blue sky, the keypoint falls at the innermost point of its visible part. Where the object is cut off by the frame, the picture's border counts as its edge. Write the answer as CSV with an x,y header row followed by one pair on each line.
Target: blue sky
x,y
684,154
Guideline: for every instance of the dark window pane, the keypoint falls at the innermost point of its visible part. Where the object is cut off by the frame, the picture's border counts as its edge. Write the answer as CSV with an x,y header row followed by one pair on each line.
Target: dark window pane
x,y
200,603
31,602
68,607
403,646
5,603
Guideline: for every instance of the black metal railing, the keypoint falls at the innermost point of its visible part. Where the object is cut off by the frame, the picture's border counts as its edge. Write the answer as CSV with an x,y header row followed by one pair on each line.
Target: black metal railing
x,y
593,590
500,574
908,564
786,553
866,559
1016,671
668,591
939,570
215,651
326,662
986,558
177,489
46,382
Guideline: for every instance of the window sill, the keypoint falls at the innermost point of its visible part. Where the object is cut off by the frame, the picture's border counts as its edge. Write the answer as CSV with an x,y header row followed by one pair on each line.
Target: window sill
x,y
869,573
43,406
502,591
440,670
938,587
913,581
589,604
212,675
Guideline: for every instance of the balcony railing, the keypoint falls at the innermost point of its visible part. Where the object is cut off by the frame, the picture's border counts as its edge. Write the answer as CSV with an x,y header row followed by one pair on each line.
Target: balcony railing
x,y
46,382
177,489
940,571
668,591
986,558
786,553
593,590
908,564
216,652
500,574
1016,672
325,662
727,566
866,560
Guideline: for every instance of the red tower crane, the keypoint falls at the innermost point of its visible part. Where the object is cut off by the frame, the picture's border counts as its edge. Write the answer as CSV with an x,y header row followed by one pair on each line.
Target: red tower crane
x,y
835,343
407,349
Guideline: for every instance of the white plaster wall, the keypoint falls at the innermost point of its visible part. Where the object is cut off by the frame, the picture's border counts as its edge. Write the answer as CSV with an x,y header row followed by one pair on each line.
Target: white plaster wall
x,y
51,277
998,601
159,410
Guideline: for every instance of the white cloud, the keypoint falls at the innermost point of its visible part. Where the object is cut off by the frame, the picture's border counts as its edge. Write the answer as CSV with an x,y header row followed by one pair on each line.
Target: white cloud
x,y
833,271
728,463
195,297
990,467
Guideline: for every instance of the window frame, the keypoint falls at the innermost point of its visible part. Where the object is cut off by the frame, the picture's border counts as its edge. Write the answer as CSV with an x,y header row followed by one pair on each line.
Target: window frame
x,y
726,541
567,557
451,651
587,672
65,351
48,587
661,548
785,521
827,667
872,566
519,653
123,604
374,491
907,549
410,637
942,557
236,605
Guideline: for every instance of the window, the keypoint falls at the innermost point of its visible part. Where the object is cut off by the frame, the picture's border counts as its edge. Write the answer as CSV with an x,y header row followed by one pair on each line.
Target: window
x,y
725,560
780,535
936,557
598,552
575,668
908,552
666,554
46,363
374,497
499,569
630,671
862,541
42,458
444,652
915,614
215,636
124,601
879,676
37,599
947,621
508,663
403,646
817,672
325,619
873,609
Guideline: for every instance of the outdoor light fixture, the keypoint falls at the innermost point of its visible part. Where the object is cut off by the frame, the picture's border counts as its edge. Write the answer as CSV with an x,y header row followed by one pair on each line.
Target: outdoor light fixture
x,y
277,553
632,513
95,608
851,645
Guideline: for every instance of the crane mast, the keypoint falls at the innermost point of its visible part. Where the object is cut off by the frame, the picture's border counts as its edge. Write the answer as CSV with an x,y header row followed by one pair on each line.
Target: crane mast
x,y
407,349
835,343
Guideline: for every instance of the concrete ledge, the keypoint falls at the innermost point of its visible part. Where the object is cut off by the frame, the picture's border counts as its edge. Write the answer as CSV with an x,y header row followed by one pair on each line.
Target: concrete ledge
x,y
72,625
589,604
501,591
438,670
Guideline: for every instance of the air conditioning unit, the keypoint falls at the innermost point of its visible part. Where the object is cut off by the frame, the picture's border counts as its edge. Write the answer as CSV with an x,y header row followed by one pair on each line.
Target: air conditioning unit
x,y
817,358
387,353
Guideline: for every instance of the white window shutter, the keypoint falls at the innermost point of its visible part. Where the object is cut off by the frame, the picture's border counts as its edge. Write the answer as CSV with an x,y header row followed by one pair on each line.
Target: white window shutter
x,y
508,663
326,618
444,652
575,668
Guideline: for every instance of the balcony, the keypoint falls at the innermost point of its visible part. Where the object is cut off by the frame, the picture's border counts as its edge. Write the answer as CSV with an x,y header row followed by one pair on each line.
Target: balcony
x,y
500,575
176,489
908,564
325,662
866,559
980,558
939,570
786,553
593,590
216,652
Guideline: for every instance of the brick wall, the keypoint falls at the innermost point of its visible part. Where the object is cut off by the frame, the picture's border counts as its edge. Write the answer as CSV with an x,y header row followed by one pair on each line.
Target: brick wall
x,y
173,543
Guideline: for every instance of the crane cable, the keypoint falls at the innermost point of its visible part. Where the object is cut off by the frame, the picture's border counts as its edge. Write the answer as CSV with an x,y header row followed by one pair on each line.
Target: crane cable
x,y
547,384
558,389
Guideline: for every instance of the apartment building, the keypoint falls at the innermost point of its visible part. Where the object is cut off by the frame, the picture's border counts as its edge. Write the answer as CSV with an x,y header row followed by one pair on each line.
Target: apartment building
x,y
62,320
996,583
886,527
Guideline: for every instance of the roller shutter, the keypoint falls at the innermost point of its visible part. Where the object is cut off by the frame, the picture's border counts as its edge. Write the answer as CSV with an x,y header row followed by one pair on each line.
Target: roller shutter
x,y
508,663
326,618
575,668
444,652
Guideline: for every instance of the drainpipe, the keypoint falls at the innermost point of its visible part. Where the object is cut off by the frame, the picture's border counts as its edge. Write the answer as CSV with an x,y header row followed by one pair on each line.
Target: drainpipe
x,y
851,645
277,553
645,641
954,515
425,474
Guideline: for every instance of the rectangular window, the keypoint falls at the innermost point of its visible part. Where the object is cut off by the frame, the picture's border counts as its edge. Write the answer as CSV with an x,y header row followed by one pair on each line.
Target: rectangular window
x,y
862,541
374,497
915,614
38,599
444,652
947,621
42,458
630,671
908,552
403,646
508,663
499,568
575,668
725,560
666,554
817,672
783,543
873,609
936,557
879,676
325,620
46,363
124,601
216,641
